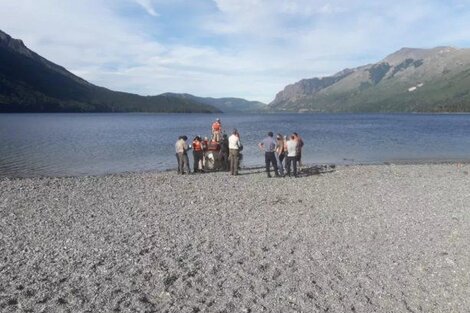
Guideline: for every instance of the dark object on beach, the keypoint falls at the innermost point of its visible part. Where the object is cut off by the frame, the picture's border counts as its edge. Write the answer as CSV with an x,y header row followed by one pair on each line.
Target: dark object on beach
x,y
317,170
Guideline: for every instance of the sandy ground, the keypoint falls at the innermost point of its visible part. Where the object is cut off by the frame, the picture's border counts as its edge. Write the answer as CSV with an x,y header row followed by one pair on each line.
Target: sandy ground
x,y
389,238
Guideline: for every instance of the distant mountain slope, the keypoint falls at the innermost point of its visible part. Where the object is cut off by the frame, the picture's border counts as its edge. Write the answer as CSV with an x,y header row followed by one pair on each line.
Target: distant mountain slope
x,y
226,105
30,83
409,80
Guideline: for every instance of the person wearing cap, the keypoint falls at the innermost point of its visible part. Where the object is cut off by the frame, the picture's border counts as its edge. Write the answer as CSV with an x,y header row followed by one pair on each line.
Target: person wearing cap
x,y
216,130
234,146
181,148
268,144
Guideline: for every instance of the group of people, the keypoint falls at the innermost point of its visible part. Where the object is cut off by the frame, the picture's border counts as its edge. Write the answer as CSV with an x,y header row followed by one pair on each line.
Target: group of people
x,y
226,150
219,150
288,148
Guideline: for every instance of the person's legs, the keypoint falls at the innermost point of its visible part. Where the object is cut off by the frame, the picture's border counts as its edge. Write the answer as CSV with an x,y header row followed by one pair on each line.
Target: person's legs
x,y
280,165
232,162
180,162
298,158
288,161
274,162
186,163
178,170
295,168
199,161
235,161
195,161
266,161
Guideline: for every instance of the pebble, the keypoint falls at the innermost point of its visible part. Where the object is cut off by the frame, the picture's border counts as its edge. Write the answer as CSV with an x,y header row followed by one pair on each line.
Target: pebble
x,y
374,238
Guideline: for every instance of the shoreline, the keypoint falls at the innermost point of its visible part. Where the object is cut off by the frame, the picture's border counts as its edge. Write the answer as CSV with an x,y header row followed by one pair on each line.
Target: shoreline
x,y
248,168
391,238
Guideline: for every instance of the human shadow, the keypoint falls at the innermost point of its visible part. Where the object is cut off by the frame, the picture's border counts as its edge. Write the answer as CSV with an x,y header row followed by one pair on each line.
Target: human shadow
x,y
303,172
316,170
251,170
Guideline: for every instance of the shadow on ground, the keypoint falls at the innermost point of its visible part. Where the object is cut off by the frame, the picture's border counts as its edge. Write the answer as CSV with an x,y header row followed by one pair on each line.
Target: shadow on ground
x,y
303,172
316,170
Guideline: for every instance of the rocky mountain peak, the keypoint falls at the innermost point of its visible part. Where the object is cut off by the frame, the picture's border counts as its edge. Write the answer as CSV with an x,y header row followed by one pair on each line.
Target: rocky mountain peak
x,y
415,54
17,46
14,44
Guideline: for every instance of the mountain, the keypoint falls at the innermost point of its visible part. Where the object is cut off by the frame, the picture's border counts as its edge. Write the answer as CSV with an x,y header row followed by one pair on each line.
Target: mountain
x,y
409,80
226,105
30,83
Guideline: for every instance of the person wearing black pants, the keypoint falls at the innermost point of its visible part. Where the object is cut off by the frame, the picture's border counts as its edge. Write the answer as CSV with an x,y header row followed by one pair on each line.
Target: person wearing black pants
x,y
269,146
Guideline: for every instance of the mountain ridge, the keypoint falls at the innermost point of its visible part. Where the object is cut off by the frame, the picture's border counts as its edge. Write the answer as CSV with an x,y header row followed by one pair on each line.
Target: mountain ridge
x,y
31,83
225,104
408,80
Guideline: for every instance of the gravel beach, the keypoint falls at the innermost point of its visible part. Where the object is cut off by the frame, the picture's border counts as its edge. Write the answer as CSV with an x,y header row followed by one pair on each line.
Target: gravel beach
x,y
377,238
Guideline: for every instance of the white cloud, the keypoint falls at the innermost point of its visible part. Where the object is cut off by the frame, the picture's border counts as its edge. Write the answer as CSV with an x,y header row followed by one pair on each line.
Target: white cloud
x,y
238,48
148,6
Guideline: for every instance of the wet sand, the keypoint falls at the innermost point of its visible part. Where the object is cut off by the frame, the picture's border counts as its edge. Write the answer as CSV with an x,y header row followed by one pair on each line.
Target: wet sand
x,y
385,238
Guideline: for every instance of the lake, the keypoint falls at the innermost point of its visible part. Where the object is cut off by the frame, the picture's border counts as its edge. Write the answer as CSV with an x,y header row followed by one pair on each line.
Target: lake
x,y
96,144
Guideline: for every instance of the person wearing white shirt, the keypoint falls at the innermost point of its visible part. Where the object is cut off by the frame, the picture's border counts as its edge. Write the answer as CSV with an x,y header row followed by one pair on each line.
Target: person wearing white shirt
x,y
291,155
181,148
234,146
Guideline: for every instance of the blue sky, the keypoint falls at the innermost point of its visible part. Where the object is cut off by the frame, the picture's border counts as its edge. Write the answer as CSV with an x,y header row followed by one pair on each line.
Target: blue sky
x,y
220,48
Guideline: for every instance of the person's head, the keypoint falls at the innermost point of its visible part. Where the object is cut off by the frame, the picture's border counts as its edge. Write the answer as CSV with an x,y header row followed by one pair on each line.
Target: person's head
x,y
225,136
235,131
292,137
270,134
184,138
180,137
296,135
279,137
218,120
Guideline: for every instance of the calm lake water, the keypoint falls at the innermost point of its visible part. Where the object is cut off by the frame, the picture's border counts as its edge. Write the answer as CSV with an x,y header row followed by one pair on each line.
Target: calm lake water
x,y
96,144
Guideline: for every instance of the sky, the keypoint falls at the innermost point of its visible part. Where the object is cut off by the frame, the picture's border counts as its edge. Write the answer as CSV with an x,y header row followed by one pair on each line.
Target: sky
x,y
226,48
